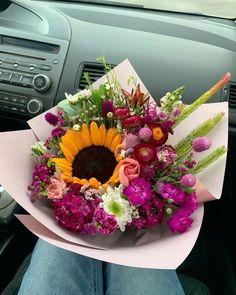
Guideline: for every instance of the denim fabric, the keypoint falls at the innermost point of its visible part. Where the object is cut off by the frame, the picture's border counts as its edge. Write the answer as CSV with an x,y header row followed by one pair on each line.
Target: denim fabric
x,y
54,271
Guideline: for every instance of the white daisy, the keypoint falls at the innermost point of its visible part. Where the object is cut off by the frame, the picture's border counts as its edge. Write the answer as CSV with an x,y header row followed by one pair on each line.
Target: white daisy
x,y
114,204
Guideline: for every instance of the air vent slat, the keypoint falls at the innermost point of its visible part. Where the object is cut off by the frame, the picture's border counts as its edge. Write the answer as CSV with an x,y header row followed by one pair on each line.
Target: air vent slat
x,y
232,95
95,72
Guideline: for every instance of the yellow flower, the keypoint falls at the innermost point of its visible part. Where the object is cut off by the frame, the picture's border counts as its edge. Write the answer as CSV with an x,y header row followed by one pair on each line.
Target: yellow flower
x,y
89,156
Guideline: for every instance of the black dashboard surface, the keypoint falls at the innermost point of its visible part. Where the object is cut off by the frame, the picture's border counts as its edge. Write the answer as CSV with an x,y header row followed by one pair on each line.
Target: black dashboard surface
x,y
166,49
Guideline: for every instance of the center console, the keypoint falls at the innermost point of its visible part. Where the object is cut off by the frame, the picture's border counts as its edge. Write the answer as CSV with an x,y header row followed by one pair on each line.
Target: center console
x,y
33,47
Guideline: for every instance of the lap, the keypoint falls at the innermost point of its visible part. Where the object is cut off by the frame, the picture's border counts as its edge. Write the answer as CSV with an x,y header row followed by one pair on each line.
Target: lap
x,y
56,271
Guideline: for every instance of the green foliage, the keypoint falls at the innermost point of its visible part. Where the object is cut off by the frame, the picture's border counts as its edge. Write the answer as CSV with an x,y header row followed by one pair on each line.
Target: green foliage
x,y
184,145
209,159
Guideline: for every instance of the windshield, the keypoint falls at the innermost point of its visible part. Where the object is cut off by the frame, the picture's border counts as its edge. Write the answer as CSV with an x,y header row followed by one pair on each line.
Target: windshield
x,y
218,8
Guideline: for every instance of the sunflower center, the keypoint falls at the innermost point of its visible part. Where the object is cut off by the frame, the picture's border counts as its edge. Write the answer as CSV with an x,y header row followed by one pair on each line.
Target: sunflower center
x,y
94,161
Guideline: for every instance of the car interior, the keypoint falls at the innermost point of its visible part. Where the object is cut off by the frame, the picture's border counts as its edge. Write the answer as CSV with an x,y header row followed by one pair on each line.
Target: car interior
x,y
45,49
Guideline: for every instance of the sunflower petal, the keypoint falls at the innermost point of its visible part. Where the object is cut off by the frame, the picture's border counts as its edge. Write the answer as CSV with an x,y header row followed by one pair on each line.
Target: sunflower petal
x,y
111,134
62,162
85,135
75,137
67,153
94,182
69,143
115,143
103,132
94,133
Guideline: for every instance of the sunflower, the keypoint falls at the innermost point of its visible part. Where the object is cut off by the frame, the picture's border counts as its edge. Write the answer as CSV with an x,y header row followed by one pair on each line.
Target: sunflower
x,y
89,155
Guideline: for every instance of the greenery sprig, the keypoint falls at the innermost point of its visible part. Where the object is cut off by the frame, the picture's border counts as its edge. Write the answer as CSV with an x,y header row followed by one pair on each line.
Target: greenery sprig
x,y
209,159
184,145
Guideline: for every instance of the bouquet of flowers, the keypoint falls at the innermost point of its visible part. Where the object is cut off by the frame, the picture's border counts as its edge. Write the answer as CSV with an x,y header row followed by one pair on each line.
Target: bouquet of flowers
x,y
107,164
116,170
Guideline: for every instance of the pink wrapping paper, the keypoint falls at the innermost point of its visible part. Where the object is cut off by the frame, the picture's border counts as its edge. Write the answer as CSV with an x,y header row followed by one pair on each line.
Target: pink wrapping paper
x,y
156,247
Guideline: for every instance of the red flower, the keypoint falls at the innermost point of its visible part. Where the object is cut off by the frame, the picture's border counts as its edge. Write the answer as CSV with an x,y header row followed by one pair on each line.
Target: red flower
x,y
159,134
145,152
121,112
132,121
137,96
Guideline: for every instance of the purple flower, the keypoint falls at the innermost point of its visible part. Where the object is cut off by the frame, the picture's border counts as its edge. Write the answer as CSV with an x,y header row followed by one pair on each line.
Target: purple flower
x,y
167,124
201,144
150,114
73,212
171,191
146,171
190,203
107,106
57,132
188,180
189,163
166,155
105,223
145,133
52,119
138,191
180,221
150,213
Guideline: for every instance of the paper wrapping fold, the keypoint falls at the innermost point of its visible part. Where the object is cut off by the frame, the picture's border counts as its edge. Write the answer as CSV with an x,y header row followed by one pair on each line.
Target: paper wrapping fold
x,y
152,248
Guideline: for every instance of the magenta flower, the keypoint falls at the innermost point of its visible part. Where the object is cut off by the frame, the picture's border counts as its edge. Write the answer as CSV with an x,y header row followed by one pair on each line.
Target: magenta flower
x,y
190,203
171,191
147,171
180,221
73,212
188,180
52,119
107,106
57,132
150,213
201,144
138,191
104,223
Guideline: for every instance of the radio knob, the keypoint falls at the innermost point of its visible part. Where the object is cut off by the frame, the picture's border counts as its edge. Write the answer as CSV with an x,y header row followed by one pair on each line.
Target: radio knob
x,y
34,106
41,82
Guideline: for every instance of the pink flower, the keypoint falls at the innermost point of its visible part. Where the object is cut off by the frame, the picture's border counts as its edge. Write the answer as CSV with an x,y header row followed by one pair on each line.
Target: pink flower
x,y
129,141
166,154
129,170
139,191
55,188
188,180
145,133
201,144
180,221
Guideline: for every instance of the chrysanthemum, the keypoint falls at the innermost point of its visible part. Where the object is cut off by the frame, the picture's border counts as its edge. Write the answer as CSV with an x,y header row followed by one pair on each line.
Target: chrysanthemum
x,y
114,204
89,156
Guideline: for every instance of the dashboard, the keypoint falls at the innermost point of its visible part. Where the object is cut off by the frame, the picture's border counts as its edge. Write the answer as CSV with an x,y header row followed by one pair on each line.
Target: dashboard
x,y
46,46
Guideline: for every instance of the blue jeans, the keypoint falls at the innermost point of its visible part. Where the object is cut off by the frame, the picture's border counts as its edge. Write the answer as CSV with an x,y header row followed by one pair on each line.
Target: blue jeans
x,y
55,271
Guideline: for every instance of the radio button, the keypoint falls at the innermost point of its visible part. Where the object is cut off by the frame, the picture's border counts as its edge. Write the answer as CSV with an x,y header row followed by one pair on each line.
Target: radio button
x,y
6,97
41,83
26,81
45,68
34,106
15,78
5,76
